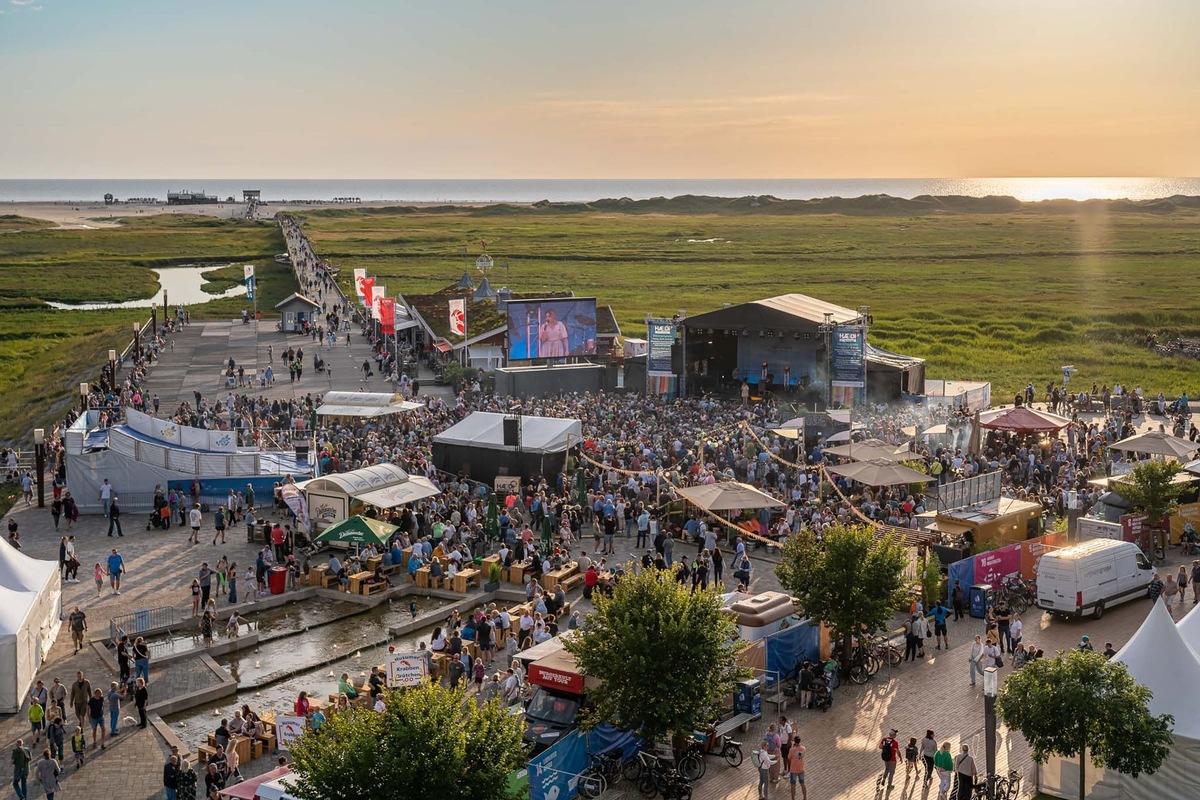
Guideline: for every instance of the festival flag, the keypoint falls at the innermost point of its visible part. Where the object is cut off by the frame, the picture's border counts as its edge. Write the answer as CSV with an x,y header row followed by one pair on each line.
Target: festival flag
x,y
367,285
360,275
378,293
458,317
250,287
387,315
248,271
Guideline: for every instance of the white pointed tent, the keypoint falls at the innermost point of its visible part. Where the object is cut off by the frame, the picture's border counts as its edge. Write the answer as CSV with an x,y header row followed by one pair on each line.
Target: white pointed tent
x,y
1159,658
30,616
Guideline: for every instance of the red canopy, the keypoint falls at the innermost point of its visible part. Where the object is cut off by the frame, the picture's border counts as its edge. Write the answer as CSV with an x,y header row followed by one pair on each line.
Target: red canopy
x,y
247,789
1022,420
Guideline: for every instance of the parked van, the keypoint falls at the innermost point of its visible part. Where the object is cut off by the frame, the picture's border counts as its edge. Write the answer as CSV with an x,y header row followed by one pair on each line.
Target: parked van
x,y
1092,576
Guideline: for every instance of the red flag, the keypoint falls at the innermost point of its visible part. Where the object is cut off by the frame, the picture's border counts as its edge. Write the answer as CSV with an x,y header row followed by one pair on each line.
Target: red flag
x,y
387,315
366,285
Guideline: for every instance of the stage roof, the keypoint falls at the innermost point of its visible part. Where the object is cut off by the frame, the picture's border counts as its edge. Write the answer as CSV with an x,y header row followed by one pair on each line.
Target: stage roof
x,y
785,312
884,358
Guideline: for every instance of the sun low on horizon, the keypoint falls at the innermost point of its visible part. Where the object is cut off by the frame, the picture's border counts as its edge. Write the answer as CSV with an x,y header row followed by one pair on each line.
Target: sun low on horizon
x,y
667,89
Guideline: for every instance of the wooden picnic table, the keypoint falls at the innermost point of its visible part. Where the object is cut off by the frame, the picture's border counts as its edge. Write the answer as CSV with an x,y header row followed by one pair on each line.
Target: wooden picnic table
x,y
373,562
405,555
516,573
464,577
423,578
559,575
357,580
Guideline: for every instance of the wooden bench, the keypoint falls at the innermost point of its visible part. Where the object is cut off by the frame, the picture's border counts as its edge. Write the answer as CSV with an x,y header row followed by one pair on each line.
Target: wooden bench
x,y
268,741
572,583
204,753
357,581
780,701
741,721
369,589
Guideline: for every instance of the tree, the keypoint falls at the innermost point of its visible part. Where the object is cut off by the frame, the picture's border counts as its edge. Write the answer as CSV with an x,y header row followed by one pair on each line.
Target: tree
x,y
1081,701
1149,489
427,744
664,655
853,580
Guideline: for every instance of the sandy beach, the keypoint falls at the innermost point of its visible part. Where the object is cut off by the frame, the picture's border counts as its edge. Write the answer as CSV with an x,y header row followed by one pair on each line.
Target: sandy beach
x,y
82,216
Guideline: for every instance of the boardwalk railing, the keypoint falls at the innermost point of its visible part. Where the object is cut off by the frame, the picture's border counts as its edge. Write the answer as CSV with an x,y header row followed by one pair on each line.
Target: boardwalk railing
x,y
148,619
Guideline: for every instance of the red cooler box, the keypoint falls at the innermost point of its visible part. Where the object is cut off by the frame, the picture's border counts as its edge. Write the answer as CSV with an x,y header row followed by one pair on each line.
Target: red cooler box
x,y
277,579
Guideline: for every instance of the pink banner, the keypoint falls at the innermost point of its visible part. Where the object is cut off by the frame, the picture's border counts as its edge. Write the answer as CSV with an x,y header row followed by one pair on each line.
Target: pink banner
x,y
995,565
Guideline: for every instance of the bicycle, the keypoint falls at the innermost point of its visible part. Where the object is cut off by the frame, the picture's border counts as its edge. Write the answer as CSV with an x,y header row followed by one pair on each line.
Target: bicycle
x,y
884,651
633,768
604,771
691,764
1008,786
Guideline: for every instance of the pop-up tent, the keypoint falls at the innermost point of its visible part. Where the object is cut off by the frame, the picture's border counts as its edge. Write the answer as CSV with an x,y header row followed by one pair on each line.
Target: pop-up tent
x,y
1158,658
478,447
30,611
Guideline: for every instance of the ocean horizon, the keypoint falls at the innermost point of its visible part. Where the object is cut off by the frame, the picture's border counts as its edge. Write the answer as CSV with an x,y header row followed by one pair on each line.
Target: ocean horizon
x,y
585,190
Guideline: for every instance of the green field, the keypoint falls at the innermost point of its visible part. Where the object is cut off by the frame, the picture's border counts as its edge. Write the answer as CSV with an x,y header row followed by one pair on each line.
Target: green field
x,y
1005,297
45,353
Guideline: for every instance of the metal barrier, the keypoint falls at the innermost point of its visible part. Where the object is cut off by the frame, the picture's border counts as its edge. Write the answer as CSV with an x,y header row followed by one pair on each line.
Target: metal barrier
x,y
149,619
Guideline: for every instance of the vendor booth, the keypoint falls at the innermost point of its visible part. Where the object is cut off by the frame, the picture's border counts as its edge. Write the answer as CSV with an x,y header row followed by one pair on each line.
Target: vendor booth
x,y
485,445
335,497
31,599
363,404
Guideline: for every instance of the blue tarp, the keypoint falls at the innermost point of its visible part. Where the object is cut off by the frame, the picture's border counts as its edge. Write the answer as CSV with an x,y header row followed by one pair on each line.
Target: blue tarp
x,y
554,773
792,645
603,738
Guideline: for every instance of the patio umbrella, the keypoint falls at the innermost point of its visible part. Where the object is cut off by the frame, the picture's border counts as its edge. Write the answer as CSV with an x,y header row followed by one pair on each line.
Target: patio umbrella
x,y
727,496
864,452
840,436
1022,420
1157,443
491,525
357,530
881,473
935,430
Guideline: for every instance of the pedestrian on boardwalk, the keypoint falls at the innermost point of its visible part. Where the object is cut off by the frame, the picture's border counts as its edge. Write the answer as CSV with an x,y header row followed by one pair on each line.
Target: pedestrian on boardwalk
x,y
965,772
975,659
195,519
796,768
205,579
116,567
81,692
929,747
889,750
20,761
114,697
943,762
98,576
171,773
114,518
959,599
764,762
141,659
141,696
95,707
47,771
78,623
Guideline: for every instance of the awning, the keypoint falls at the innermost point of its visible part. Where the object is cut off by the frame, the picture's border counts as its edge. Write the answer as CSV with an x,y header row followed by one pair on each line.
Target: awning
x,y
951,528
248,788
363,404
443,346
415,488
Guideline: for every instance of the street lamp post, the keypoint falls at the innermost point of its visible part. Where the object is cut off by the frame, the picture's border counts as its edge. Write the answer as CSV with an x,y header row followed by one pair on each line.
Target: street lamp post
x,y
39,454
137,335
991,685
112,369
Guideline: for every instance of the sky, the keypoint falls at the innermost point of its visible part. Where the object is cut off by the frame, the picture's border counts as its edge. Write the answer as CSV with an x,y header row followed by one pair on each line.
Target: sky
x,y
611,89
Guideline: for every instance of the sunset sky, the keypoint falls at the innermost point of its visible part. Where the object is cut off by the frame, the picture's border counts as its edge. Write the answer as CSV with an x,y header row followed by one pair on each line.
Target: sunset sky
x,y
619,88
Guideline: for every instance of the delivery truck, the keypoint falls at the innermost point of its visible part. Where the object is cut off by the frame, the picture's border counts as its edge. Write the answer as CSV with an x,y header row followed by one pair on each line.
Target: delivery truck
x,y
1091,577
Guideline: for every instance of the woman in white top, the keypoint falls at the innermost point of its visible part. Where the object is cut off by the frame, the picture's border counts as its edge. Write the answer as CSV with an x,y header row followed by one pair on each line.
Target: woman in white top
x,y
1014,630
765,761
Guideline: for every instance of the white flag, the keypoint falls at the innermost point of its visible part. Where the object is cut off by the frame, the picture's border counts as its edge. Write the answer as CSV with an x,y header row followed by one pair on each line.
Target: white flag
x,y
359,276
249,271
377,295
458,317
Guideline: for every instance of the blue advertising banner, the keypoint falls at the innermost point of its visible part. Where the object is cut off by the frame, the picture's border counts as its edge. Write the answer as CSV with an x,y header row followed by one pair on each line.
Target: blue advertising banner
x,y
660,334
250,286
848,366
554,773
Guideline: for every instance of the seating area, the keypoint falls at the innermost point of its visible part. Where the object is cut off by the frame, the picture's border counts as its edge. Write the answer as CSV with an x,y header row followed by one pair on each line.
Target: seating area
x,y
247,748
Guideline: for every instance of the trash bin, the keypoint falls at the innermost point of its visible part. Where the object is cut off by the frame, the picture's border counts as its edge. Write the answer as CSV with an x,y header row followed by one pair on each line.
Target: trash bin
x,y
747,697
981,598
277,579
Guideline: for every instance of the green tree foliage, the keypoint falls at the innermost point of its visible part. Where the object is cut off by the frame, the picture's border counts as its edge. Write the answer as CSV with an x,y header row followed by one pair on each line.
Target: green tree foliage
x,y
664,655
427,744
931,578
1149,488
853,581
1082,701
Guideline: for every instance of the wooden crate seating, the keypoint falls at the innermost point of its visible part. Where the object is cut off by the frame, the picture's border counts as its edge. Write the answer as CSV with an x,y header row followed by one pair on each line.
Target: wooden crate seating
x,y
572,583
369,589
268,741
204,753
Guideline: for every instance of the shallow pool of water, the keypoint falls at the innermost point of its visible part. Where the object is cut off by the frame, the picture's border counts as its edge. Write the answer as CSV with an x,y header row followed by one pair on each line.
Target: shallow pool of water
x,y
183,285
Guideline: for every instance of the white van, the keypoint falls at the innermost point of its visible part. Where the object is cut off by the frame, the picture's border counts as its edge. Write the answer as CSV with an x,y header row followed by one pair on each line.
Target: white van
x,y
1088,577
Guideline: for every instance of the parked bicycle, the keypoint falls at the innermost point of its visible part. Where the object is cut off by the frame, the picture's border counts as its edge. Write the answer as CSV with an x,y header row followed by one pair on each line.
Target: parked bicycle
x,y
603,772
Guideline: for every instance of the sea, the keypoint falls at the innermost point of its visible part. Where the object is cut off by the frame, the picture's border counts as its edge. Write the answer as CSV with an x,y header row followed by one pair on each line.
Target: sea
x,y
583,190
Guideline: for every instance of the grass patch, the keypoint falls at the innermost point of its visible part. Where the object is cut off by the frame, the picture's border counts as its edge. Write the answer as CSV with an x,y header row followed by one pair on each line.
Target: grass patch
x,y
1010,301
10,493
46,353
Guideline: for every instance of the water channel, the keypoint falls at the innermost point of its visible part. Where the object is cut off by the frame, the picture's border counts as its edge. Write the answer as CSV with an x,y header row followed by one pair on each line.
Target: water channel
x,y
304,647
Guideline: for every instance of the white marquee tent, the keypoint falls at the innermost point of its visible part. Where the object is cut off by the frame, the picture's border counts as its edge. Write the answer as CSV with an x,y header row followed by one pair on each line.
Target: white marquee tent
x,y
30,616
1159,658
538,434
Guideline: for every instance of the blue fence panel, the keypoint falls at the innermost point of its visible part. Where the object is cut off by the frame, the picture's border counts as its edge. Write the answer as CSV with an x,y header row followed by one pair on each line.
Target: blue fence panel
x,y
554,773
963,571
792,645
